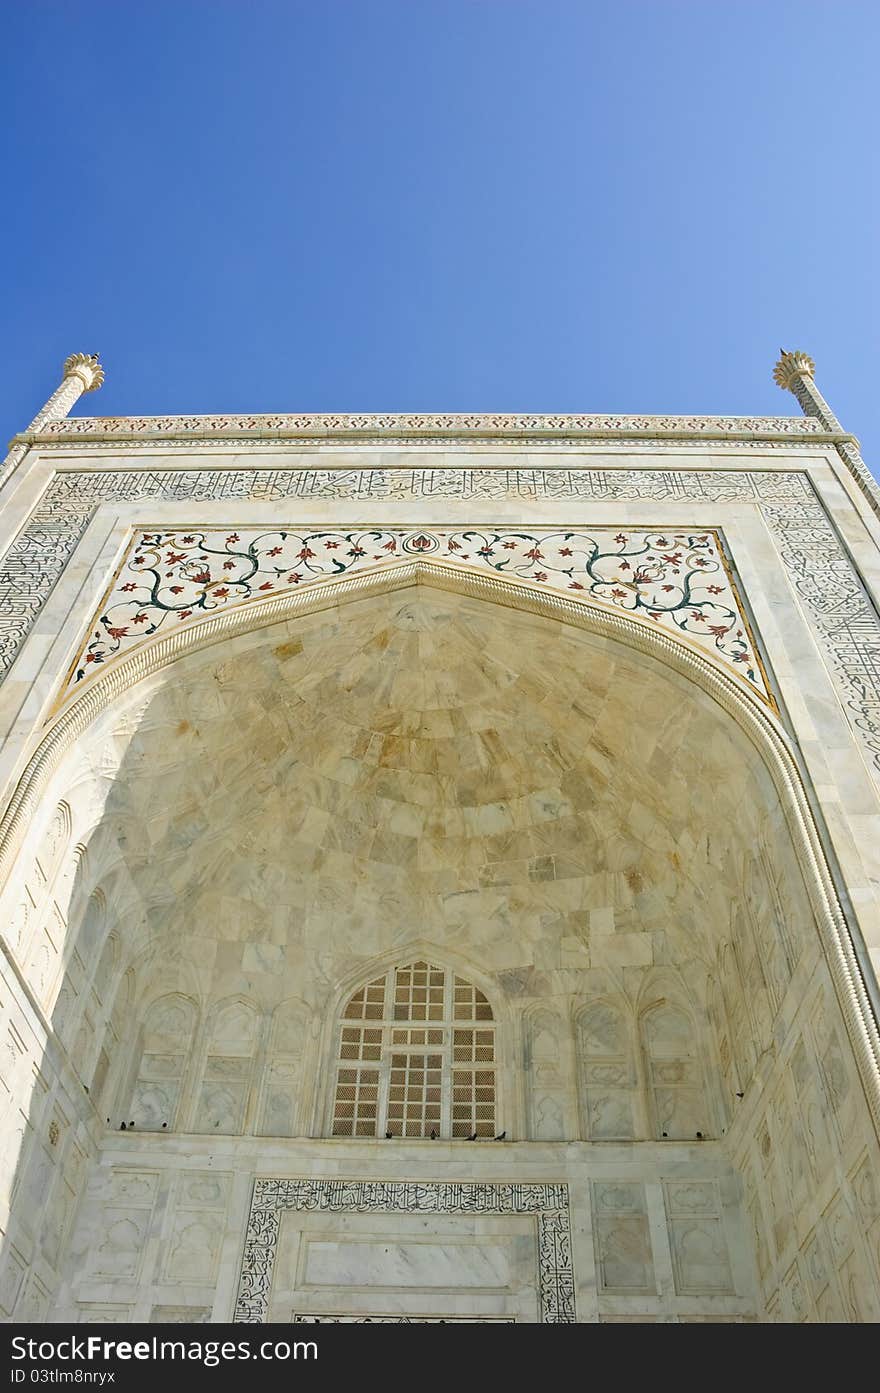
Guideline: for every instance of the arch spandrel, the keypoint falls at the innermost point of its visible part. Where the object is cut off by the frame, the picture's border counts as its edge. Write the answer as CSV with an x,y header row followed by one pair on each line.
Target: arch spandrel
x,y
680,581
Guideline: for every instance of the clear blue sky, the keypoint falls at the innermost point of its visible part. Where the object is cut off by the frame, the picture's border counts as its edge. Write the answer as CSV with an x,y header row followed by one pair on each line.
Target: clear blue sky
x,y
440,204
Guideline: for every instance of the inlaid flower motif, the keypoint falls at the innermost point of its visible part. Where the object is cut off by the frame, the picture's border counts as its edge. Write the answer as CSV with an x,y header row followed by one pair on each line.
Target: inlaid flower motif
x,y
676,580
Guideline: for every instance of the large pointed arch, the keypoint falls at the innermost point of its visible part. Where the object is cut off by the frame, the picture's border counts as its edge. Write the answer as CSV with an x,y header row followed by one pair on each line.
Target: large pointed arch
x,y
762,729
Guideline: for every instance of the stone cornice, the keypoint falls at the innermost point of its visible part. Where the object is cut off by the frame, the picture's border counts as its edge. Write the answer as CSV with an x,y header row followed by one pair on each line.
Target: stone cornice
x,y
497,427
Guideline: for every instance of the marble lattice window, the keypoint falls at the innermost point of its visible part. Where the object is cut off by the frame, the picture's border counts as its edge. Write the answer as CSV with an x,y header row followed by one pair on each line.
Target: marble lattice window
x,y
416,1054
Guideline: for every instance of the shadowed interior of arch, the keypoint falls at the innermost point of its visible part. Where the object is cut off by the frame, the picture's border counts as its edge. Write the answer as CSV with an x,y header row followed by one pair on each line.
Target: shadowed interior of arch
x,y
418,801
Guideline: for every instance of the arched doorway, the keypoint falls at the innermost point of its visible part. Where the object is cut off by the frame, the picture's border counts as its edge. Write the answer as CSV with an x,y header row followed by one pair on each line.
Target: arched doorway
x,y
614,842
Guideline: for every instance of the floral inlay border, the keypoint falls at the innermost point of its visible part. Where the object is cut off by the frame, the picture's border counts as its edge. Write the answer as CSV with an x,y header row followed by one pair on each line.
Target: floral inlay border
x,y
677,580
548,1203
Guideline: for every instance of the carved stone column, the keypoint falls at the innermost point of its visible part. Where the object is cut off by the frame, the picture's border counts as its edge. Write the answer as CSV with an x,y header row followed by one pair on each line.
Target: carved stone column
x,y
82,373
794,373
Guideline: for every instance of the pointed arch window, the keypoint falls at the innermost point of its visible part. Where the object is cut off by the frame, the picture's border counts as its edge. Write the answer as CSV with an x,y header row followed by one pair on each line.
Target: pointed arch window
x,y
416,1053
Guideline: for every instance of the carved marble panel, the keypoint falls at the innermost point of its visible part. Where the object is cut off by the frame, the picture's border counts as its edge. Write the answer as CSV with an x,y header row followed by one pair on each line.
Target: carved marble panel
x,y
120,1250
623,1242
547,1203
700,1259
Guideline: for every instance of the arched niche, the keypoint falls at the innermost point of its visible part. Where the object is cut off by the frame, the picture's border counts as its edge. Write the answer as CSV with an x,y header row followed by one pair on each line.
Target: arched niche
x,y
539,792
609,1093
154,1098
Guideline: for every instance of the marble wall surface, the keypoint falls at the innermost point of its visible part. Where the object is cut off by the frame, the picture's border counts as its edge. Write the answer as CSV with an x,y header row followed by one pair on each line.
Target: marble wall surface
x,y
241,841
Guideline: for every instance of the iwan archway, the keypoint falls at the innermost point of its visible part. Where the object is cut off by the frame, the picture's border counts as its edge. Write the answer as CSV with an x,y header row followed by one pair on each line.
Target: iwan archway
x,y
232,836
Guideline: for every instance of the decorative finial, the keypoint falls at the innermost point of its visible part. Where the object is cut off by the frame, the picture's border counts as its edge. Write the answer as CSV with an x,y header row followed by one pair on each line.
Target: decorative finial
x,y
790,367
86,367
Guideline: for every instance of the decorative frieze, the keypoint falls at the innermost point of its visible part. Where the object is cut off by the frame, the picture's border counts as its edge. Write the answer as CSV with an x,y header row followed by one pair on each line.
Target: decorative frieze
x,y
418,424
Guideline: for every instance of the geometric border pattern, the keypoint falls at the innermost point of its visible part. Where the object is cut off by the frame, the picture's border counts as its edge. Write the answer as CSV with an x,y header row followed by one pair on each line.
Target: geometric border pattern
x,y
548,1203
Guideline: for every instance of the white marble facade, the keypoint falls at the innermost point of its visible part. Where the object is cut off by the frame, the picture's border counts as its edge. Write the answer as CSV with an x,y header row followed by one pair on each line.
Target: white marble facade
x,y
663,885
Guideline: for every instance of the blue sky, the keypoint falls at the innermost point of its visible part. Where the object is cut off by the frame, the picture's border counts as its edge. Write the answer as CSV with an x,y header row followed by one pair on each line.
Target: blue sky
x,y
440,204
